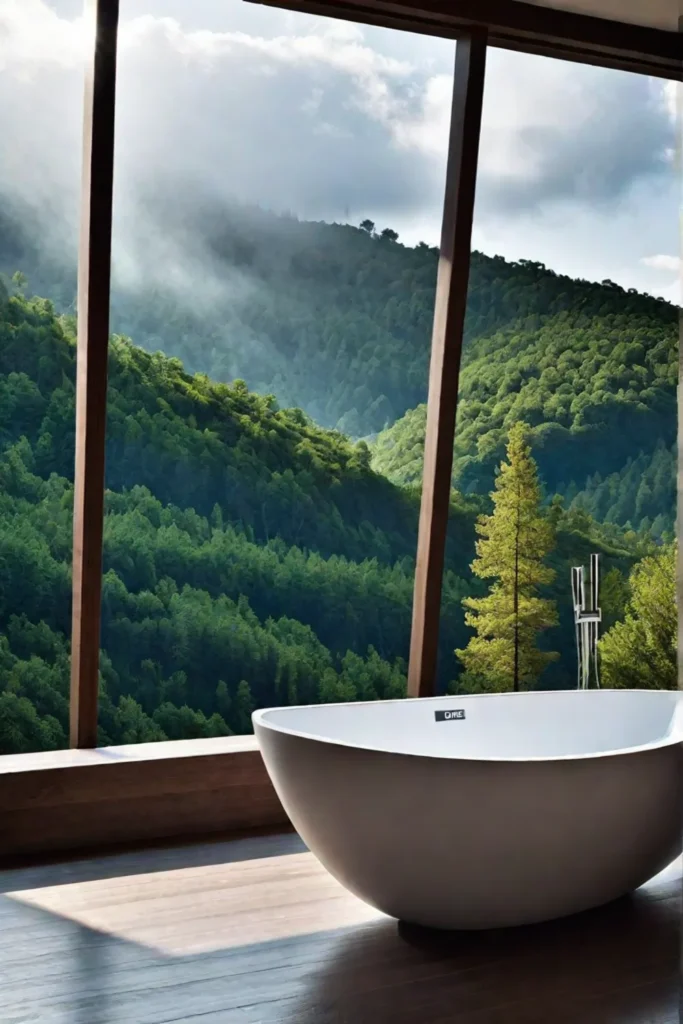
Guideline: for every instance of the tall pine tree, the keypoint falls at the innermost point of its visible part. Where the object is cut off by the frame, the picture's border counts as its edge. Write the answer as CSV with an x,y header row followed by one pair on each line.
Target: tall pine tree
x,y
515,539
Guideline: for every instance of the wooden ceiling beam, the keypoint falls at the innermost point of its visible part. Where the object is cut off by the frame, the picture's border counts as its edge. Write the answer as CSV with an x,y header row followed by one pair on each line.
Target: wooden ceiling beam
x,y
514,25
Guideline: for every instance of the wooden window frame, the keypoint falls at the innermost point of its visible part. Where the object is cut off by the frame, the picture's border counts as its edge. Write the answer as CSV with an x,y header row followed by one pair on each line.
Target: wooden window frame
x,y
94,283
446,354
85,797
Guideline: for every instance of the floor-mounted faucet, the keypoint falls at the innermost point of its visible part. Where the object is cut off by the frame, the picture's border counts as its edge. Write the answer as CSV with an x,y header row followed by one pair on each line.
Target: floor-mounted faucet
x,y
587,617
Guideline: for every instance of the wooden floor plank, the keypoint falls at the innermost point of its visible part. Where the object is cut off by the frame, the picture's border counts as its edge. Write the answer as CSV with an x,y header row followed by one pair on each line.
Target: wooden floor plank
x,y
256,932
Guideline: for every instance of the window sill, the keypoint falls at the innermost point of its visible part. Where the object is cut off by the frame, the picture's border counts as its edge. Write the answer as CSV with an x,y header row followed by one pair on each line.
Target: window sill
x,y
68,801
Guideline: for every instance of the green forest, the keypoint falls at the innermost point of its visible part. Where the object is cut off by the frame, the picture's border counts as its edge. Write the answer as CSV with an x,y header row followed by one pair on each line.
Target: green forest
x,y
599,392
259,537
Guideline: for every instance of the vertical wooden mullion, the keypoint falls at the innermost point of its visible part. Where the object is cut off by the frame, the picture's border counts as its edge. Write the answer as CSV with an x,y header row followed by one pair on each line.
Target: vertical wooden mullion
x,y
94,273
447,337
679,489
679,495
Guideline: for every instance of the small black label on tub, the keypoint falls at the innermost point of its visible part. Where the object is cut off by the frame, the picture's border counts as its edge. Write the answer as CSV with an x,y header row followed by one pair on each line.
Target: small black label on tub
x,y
449,716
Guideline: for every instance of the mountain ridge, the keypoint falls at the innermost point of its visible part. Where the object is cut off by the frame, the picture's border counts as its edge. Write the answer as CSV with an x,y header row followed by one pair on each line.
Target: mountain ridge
x,y
328,317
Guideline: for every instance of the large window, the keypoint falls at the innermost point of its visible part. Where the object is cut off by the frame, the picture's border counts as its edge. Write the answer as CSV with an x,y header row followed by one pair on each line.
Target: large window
x,y
40,125
567,415
277,207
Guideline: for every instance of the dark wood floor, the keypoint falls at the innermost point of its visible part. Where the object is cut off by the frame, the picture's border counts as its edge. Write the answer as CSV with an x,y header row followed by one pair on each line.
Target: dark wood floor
x,y
255,931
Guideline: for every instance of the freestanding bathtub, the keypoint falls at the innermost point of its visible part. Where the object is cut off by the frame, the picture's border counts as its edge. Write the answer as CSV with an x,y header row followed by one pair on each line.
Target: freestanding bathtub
x,y
484,811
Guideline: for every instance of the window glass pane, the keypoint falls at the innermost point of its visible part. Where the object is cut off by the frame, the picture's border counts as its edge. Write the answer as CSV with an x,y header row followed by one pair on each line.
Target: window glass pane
x,y
572,330
41,78
278,193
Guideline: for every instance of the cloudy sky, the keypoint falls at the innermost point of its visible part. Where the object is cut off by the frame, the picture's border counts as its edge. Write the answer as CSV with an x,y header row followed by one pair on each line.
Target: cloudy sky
x,y
337,122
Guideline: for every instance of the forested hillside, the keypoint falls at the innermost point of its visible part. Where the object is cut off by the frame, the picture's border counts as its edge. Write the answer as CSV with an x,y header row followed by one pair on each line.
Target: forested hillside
x,y
336,320
330,318
255,556
599,393
250,557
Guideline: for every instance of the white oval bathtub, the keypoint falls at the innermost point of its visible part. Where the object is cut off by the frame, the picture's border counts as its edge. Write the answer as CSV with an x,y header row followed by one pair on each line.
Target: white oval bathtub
x,y
484,811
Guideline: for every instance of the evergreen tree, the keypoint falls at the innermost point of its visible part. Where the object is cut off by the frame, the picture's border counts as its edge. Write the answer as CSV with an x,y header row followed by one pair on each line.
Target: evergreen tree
x,y
614,595
514,541
641,651
244,706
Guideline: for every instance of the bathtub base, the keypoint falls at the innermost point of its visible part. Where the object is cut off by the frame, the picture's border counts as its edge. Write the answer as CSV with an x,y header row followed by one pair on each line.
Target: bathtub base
x,y
484,912
478,843
493,924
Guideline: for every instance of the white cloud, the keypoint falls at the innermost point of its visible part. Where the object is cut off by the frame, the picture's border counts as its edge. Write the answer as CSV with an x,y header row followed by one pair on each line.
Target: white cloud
x,y
32,36
428,128
673,98
341,50
662,262
322,118
553,132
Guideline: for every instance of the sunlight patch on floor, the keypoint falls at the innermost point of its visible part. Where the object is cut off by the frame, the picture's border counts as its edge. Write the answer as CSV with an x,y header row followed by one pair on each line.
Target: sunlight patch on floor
x,y
201,909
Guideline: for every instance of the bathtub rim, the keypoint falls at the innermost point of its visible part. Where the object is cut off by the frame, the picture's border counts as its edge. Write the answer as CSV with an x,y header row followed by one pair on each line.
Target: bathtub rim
x,y
674,736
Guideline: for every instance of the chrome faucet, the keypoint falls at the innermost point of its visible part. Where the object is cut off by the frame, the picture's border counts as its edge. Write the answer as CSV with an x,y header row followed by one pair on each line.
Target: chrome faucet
x,y
587,618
